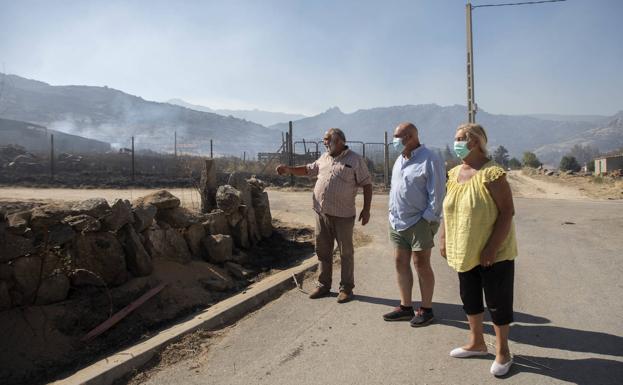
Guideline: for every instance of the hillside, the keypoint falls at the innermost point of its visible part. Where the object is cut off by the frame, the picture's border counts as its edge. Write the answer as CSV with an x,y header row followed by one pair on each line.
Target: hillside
x,y
606,137
113,116
437,125
36,139
265,118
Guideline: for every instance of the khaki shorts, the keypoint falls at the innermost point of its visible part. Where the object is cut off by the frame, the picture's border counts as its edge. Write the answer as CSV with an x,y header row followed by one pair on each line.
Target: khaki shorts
x,y
417,237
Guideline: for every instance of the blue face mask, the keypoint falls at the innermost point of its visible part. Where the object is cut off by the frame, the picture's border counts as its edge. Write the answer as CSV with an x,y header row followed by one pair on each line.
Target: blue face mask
x,y
398,145
461,150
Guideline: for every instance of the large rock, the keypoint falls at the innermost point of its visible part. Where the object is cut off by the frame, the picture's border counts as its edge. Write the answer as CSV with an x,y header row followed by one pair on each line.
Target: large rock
x,y
53,288
48,215
83,223
228,199
13,246
238,181
5,296
57,235
27,273
167,244
121,214
137,259
101,255
219,247
240,228
263,216
194,234
216,223
18,222
177,217
208,186
160,199
144,215
95,207
261,205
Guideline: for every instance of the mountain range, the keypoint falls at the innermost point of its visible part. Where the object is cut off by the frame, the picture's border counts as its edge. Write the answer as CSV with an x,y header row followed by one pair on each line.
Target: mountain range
x,y
265,118
112,116
437,125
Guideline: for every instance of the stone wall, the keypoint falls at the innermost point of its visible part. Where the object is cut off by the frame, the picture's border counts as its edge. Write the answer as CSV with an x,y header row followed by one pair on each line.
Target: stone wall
x,y
48,250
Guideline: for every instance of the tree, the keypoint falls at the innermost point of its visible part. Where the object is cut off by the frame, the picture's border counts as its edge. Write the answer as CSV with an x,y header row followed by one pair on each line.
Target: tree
x,y
584,155
530,160
514,164
569,163
500,156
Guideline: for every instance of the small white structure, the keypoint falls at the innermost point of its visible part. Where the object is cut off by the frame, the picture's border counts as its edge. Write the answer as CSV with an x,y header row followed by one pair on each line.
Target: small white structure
x,y
608,163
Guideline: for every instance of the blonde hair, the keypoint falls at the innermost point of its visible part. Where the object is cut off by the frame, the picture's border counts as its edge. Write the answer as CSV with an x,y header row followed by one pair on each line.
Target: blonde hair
x,y
475,130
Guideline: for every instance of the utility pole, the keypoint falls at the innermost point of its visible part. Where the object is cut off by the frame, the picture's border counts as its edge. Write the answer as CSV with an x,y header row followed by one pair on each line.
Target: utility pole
x,y
471,103
211,153
175,143
472,107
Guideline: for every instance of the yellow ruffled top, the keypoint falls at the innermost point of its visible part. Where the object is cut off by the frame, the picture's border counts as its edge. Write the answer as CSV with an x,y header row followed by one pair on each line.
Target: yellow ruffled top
x,y
469,214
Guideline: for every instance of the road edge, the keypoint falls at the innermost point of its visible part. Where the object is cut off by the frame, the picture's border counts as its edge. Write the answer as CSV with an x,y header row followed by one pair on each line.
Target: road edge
x,y
111,368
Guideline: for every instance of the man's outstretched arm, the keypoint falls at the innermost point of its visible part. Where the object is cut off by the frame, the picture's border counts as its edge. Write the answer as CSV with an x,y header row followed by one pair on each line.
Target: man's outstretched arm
x,y
282,169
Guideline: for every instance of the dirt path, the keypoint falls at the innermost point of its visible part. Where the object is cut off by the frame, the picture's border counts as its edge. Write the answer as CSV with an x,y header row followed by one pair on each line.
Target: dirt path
x,y
525,187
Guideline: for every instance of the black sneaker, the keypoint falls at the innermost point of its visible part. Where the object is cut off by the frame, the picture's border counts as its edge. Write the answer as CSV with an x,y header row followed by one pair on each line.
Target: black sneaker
x,y
422,318
400,313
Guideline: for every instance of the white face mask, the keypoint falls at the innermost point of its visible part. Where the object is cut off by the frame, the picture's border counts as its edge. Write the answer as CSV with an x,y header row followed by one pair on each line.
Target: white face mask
x,y
398,145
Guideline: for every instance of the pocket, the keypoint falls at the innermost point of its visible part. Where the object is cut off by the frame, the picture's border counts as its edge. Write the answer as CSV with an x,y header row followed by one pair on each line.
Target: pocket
x,y
345,173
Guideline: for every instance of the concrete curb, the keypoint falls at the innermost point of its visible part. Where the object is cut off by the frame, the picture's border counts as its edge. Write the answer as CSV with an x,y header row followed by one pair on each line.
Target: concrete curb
x,y
111,368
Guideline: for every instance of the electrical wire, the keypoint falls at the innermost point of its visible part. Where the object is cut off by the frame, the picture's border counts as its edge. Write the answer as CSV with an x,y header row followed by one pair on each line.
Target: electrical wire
x,y
522,3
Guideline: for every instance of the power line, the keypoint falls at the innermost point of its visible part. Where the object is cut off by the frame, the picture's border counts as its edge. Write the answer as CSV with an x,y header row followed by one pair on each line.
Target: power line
x,y
522,3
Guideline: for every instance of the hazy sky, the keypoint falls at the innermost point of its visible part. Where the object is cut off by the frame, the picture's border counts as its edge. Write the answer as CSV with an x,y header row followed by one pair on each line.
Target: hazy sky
x,y
307,55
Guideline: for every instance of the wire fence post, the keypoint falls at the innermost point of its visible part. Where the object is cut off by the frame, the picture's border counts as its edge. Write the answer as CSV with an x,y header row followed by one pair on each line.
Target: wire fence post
x,y
133,159
52,156
290,151
386,162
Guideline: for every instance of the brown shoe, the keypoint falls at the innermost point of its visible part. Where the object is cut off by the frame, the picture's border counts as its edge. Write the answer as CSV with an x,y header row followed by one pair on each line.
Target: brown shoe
x,y
345,296
319,292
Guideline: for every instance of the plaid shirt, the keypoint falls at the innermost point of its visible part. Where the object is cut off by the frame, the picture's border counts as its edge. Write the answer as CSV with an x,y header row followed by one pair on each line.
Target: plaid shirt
x,y
338,180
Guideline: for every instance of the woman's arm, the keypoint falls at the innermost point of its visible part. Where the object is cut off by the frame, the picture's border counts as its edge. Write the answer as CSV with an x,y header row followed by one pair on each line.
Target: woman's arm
x,y
442,239
502,196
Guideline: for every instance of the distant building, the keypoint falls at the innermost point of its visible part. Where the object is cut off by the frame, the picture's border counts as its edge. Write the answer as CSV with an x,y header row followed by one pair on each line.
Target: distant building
x,y
608,163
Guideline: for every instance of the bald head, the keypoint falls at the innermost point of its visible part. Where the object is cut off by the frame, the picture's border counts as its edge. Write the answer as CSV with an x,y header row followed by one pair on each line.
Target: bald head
x,y
408,134
405,128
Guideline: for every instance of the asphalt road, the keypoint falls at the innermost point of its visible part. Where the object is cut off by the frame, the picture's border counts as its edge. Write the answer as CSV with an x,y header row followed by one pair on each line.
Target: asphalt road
x,y
568,303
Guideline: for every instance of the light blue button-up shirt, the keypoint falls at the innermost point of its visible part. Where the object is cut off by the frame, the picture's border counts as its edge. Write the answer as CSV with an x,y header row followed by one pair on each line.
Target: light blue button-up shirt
x,y
418,188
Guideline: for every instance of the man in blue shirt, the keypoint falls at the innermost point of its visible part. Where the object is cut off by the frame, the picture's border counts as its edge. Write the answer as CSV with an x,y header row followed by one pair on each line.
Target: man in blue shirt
x,y
415,206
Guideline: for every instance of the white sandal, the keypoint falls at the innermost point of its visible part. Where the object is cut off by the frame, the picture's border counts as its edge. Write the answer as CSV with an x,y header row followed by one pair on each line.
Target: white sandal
x,y
464,353
499,370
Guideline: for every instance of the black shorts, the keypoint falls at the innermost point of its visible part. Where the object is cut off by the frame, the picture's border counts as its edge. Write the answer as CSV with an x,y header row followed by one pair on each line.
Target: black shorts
x,y
497,283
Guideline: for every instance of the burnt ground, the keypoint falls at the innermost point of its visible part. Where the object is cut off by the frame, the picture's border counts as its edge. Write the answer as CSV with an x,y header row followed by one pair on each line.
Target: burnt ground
x,y
42,343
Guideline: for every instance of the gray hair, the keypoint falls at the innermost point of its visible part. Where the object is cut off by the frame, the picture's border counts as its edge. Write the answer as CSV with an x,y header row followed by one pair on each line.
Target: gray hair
x,y
337,132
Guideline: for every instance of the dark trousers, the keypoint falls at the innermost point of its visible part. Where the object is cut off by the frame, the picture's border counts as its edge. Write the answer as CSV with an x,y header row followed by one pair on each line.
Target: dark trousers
x,y
497,283
330,229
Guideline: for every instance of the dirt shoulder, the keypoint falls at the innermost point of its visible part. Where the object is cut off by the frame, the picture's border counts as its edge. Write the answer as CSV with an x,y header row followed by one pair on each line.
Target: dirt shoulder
x,y
526,184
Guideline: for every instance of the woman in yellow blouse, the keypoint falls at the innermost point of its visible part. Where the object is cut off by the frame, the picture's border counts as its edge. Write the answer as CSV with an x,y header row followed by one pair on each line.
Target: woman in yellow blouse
x,y
478,240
